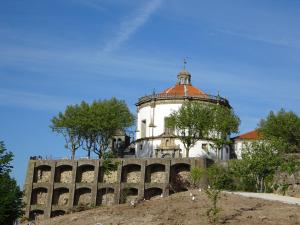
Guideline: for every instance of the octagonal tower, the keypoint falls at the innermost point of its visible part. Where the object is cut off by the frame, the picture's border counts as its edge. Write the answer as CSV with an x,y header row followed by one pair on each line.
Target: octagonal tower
x,y
153,138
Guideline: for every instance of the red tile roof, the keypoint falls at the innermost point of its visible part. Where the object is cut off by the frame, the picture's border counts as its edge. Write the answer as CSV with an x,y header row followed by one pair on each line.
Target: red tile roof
x,y
252,135
179,89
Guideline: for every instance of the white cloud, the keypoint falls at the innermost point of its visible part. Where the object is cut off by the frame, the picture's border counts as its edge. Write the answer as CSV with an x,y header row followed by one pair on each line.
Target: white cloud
x,y
129,27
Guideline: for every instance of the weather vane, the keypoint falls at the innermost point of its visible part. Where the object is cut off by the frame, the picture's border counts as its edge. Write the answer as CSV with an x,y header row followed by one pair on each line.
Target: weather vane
x,y
185,62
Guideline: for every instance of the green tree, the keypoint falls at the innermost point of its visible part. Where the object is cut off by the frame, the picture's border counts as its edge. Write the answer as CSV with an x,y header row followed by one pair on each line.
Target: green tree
x,y
68,124
260,161
92,126
225,122
10,194
192,123
284,126
195,121
108,117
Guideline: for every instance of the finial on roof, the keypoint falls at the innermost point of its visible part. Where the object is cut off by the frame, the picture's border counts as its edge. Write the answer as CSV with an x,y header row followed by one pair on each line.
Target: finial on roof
x,y
184,62
184,77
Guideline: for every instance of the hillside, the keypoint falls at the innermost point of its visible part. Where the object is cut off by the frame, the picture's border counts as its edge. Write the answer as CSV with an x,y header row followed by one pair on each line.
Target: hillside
x,y
179,209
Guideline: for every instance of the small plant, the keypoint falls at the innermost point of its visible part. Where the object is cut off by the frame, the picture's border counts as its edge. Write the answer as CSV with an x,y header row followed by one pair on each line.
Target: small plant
x,y
124,195
108,165
196,176
213,211
282,188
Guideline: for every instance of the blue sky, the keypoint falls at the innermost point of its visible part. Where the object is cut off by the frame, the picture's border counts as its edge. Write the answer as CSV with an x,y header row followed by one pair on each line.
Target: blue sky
x,y
59,52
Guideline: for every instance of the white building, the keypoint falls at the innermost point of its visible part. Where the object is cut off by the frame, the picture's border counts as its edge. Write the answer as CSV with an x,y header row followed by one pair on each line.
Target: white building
x,y
153,139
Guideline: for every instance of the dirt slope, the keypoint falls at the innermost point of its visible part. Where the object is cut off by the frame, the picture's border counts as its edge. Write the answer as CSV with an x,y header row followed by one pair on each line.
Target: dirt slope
x,y
179,209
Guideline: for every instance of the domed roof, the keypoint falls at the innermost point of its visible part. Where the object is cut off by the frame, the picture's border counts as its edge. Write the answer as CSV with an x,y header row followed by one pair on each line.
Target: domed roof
x,y
183,86
183,90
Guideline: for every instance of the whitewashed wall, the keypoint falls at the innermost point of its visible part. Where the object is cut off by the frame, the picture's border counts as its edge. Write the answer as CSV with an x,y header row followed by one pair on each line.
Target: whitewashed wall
x,y
157,115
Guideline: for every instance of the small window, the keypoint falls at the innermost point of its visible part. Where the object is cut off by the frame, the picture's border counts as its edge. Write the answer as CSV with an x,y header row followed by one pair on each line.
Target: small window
x,y
205,146
143,128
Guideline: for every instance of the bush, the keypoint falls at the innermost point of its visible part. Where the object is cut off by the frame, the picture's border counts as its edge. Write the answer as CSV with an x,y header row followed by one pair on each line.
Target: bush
x,y
220,177
196,176
242,179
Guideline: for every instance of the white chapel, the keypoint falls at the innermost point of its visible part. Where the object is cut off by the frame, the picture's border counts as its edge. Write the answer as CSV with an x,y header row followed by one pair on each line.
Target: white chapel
x,y
153,139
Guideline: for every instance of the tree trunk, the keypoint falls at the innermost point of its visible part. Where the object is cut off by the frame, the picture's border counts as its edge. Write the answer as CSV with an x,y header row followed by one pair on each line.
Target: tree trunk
x,y
89,153
73,153
261,185
187,152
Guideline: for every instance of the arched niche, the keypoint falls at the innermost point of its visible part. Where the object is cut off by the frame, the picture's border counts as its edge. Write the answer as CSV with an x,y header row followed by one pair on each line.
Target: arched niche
x,y
63,174
179,177
152,193
39,196
85,174
42,174
128,195
36,214
131,173
61,196
82,197
56,213
109,178
155,173
105,196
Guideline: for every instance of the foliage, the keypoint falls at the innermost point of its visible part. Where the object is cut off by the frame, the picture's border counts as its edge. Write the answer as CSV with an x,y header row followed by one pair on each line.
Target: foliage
x,y
108,117
10,194
108,165
220,177
213,211
243,180
92,126
67,124
225,122
290,165
192,122
195,121
283,126
260,160
195,176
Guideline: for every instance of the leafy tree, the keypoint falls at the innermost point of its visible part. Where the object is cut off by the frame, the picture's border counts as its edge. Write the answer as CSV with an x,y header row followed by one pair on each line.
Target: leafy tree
x,y
225,122
108,117
192,123
195,121
87,130
10,194
260,161
67,124
284,126
92,126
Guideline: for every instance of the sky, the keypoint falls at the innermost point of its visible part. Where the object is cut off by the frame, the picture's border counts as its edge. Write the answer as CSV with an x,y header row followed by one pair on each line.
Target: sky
x,y
59,52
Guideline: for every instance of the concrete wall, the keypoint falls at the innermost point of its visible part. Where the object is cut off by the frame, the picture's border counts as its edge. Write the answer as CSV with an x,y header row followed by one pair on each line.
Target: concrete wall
x,y
55,187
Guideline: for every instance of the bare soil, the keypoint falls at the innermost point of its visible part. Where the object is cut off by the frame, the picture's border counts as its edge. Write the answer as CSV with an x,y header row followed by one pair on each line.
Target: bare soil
x,y
179,209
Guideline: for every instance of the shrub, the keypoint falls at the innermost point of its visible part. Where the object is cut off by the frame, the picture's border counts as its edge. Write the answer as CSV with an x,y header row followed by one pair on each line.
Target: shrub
x,y
220,177
196,176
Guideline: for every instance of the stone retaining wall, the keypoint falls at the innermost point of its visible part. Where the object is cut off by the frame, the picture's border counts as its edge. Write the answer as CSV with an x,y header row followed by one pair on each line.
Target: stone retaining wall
x,y
291,181
55,187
